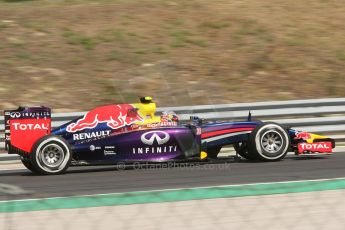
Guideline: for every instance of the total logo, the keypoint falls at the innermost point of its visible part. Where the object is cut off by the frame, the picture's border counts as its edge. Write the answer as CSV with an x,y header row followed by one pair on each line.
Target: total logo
x,y
23,127
155,138
322,147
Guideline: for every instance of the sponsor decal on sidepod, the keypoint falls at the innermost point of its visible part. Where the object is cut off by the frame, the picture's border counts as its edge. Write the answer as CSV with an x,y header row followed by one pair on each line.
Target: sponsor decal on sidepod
x,y
108,150
93,135
159,136
155,138
93,148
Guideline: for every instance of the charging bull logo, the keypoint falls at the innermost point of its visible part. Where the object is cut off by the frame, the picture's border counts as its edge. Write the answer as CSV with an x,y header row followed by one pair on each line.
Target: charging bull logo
x,y
303,136
115,116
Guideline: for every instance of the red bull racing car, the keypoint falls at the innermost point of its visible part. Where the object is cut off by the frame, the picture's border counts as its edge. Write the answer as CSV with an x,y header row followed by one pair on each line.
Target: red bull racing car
x,y
130,133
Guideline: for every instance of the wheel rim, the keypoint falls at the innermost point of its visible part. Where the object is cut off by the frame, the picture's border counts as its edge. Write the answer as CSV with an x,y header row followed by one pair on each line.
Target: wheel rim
x,y
52,155
272,142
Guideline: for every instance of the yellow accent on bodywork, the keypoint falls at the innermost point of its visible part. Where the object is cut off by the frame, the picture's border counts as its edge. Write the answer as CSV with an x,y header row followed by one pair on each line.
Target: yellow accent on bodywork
x,y
315,136
203,155
147,111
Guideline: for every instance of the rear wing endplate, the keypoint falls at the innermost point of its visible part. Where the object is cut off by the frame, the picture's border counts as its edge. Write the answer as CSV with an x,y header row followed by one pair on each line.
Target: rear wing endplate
x,y
24,126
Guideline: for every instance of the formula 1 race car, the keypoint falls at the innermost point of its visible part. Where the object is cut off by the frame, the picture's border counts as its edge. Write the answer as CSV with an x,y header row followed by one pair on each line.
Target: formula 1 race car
x,y
130,133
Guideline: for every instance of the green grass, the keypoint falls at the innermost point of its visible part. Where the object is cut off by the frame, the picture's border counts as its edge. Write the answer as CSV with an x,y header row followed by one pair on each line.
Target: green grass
x,y
36,25
197,42
340,55
16,42
214,24
336,87
74,38
140,51
3,25
176,22
119,35
115,56
159,50
295,41
182,38
23,55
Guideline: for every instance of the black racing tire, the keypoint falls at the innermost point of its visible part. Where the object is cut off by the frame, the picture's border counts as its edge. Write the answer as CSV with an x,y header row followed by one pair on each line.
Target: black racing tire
x,y
241,149
212,153
269,142
51,155
27,163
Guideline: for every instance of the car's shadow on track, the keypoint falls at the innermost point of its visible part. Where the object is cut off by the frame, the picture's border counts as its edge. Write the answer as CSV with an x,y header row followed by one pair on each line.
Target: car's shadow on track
x,y
171,166
303,158
165,166
21,172
72,170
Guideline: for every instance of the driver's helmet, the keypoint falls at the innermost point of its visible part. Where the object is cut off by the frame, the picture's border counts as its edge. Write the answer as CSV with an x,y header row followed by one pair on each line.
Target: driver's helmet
x,y
169,116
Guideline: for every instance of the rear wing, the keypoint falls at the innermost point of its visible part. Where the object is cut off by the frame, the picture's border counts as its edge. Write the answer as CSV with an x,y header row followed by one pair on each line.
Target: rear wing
x,y
24,126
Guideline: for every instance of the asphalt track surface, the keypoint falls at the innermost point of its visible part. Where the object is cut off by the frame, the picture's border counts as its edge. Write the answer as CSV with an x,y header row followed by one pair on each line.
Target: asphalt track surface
x,y
105,179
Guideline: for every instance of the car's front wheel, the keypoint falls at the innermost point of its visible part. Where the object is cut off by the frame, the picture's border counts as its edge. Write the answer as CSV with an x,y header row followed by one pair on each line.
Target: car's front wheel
x,y
269,142
51,155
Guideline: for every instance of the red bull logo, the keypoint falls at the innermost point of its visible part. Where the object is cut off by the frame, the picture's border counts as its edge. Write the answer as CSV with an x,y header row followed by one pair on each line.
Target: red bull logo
x,y
115,116
303,136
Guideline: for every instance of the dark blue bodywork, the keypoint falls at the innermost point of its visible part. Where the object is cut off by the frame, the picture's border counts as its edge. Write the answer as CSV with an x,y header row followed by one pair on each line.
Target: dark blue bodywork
x,y
125,144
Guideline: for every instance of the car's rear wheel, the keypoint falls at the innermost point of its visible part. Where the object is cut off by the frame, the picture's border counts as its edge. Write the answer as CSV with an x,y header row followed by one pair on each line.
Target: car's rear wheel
x,y
269,142
51,155
27,163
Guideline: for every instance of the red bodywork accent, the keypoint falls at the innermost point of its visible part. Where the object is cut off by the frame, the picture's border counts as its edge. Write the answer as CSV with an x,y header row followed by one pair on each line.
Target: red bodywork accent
x,y
320,147
225,131
25,132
